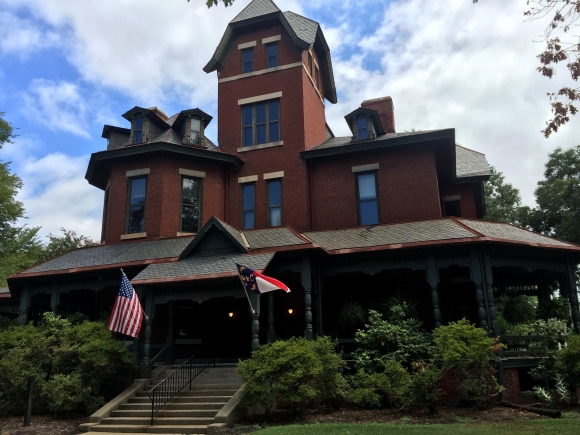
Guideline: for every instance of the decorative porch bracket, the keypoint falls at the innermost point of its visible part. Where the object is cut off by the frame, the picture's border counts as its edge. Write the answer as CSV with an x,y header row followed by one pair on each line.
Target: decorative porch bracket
x,y
433,280
477,278
306,276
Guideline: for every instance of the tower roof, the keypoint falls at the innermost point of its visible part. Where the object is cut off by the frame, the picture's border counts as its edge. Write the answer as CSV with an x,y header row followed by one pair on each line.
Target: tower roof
x,y
255,9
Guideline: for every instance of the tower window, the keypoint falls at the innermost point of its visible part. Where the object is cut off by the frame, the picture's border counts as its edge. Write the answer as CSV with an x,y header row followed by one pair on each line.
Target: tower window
x,y
136,206
195,133
275,203
310,64
272,55
368,205
190,204
247,60
261,123
248,206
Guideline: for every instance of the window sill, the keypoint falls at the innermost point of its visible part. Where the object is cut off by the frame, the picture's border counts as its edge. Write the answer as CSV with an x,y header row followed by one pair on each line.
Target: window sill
x,y
183,233
261,146
133,236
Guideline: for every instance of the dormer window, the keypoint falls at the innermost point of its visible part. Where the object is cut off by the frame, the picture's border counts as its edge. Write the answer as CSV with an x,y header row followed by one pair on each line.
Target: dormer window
x,y
362,127
195,133
138,129
364,124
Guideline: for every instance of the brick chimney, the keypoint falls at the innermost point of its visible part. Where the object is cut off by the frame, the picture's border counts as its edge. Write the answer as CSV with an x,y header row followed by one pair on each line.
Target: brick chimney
x,y
384,106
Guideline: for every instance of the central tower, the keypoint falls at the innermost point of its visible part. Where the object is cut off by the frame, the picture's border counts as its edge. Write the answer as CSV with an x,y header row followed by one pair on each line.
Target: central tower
x,y
274,74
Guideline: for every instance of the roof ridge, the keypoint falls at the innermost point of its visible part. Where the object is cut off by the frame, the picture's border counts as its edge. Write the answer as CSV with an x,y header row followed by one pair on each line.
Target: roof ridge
x,y
301,16
469,149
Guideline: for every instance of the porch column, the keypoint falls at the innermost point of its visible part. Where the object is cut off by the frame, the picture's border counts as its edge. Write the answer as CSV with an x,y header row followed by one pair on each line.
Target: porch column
x,y
24,304
477,278
255,299
54,297
170,338
145,369
271,336
488,287
433,280
573,295
307,285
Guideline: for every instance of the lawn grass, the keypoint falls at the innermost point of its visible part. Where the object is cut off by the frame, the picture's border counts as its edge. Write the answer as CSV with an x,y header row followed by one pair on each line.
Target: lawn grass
x,y
568,425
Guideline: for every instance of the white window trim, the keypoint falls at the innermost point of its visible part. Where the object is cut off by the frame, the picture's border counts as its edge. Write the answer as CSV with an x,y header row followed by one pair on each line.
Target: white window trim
x,y
257,98
192,173
248,179
247,45
452,198
261,146
137,172
272,175
365,168
271,39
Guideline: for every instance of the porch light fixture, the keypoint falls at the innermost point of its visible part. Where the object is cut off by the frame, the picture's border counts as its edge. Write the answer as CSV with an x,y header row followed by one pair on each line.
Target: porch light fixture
x,y
231,314
290,311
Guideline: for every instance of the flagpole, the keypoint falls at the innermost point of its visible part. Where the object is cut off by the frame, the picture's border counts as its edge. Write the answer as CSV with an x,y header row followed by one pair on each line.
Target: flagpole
x,y
244,286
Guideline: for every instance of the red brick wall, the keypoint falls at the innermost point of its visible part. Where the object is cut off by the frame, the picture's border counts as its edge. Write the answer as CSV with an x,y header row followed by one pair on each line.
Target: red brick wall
x,y
467,202
384,107
163,197
407,187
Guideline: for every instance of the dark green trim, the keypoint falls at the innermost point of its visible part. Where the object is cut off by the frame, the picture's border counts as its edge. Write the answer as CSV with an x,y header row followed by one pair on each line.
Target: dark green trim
x,y
96,173
107,129
377,144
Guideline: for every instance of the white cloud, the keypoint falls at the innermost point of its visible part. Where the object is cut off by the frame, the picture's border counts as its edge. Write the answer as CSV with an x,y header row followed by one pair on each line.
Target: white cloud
x,y
21,37
57,106
56,195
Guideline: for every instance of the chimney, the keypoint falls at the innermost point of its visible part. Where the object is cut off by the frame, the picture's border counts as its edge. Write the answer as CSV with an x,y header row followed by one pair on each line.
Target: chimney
x,y
384,106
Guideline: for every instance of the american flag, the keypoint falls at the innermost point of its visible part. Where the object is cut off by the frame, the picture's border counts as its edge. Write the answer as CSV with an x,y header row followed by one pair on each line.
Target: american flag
x,y
127,312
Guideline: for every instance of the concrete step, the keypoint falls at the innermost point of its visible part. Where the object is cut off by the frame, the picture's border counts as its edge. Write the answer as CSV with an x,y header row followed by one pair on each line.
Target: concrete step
x,y
165,413
158,421
216,381
214,398
212,406
202,390
169,429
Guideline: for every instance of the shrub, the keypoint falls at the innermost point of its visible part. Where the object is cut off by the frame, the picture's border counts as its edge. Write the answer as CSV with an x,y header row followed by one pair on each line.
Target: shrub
x,y
555,308
77,367
466,348
520,309
568,364
398,338
300,372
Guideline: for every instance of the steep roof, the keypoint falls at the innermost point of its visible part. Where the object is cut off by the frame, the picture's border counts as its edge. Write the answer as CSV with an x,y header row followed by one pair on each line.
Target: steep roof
x,y
305,33
471,163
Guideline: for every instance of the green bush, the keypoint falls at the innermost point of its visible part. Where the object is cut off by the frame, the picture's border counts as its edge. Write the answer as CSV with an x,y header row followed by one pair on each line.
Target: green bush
x,y
555,308
77,367
299,372
398,338
467,349
520,309
568,364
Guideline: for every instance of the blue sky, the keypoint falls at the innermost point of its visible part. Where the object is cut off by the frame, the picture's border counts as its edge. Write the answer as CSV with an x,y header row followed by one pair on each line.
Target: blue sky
x,y
68,67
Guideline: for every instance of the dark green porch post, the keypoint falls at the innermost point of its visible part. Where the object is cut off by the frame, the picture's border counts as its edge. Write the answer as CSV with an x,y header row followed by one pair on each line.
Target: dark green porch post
x,y
54,296
271,337
307,285
477,278
433,280
488,288
170,338
24,301
145,369
573,295
255,321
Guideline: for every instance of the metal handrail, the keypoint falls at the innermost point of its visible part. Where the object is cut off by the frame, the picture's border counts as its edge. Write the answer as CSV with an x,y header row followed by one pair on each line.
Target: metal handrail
x,y
167,389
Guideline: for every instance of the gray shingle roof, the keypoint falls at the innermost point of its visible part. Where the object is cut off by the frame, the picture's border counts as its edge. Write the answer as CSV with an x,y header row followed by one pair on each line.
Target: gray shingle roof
x,y
201,266
470,163
409,232
235,234
304,28
347,140
256,8
501,230
114,254
272,237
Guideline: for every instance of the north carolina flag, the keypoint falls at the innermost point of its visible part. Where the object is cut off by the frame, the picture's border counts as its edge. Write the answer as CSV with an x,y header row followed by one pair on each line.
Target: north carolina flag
x,y
259,283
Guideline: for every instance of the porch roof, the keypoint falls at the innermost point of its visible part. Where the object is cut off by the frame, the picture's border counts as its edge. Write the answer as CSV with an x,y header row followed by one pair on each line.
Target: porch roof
x,y
207,266
433,232
108,256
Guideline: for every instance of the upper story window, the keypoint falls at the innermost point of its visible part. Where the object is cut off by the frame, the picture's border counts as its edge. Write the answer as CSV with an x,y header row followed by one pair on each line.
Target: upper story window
x,y
248,206
138,129
362,128
310,64
195,131
452,208
368,204
261,123
136,205
317,78
275,203
272,55
247,60
190,204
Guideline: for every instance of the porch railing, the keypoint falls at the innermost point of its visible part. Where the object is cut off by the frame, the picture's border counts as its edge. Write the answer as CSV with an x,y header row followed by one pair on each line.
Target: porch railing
x,y
167,389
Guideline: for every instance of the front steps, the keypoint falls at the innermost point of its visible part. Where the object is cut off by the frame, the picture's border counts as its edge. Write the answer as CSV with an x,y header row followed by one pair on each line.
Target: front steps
x,y
190,412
